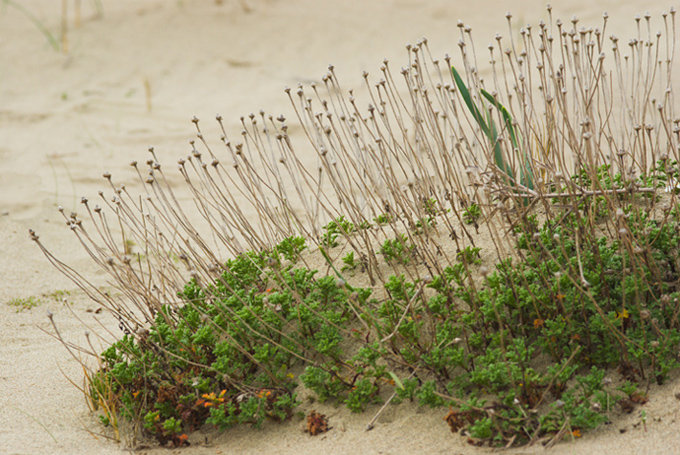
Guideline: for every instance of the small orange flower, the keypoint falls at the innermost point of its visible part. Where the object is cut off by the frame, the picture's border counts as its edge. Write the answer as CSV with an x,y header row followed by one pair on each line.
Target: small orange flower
x,y
560,296
538,323
576,433
576,337
181,439
210,399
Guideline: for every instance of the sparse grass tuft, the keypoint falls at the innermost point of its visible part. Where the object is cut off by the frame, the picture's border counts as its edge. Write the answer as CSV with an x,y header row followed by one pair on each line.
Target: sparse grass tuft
x,y
24,303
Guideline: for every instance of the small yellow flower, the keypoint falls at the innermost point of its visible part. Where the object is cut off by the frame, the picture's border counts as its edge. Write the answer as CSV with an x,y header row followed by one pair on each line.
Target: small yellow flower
x,y
623,315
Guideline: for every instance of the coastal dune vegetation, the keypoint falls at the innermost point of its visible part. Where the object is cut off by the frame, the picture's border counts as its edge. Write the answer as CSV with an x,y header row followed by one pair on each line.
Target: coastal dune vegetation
x,y
500,246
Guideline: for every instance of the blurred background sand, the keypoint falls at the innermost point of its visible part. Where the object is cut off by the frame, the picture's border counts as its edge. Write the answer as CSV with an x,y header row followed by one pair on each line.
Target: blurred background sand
x,y
134,78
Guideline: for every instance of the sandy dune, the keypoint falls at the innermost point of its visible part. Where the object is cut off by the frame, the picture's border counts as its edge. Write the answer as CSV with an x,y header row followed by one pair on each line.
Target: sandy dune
x,y
135,77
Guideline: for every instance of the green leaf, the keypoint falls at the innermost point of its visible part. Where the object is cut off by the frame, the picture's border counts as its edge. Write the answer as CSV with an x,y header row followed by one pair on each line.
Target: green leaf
x,y
490,132
396,380
527,175
469,103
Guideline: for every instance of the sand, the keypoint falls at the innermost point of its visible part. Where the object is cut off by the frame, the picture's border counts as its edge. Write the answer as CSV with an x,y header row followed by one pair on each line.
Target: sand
x,y
134,78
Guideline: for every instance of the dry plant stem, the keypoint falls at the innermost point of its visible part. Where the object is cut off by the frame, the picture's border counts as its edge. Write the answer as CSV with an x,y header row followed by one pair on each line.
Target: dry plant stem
x,y
371,424
36,421
58,336
406,311
76,8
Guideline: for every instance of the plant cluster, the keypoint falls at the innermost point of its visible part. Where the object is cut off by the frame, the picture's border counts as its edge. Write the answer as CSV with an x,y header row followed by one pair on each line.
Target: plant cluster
x,y
561,308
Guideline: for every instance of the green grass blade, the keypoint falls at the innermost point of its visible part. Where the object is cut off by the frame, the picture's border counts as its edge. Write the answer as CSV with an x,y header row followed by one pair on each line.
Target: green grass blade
x,y
498,152
489,130
469,103
53,42
396,380
492,133
506,116
527,174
